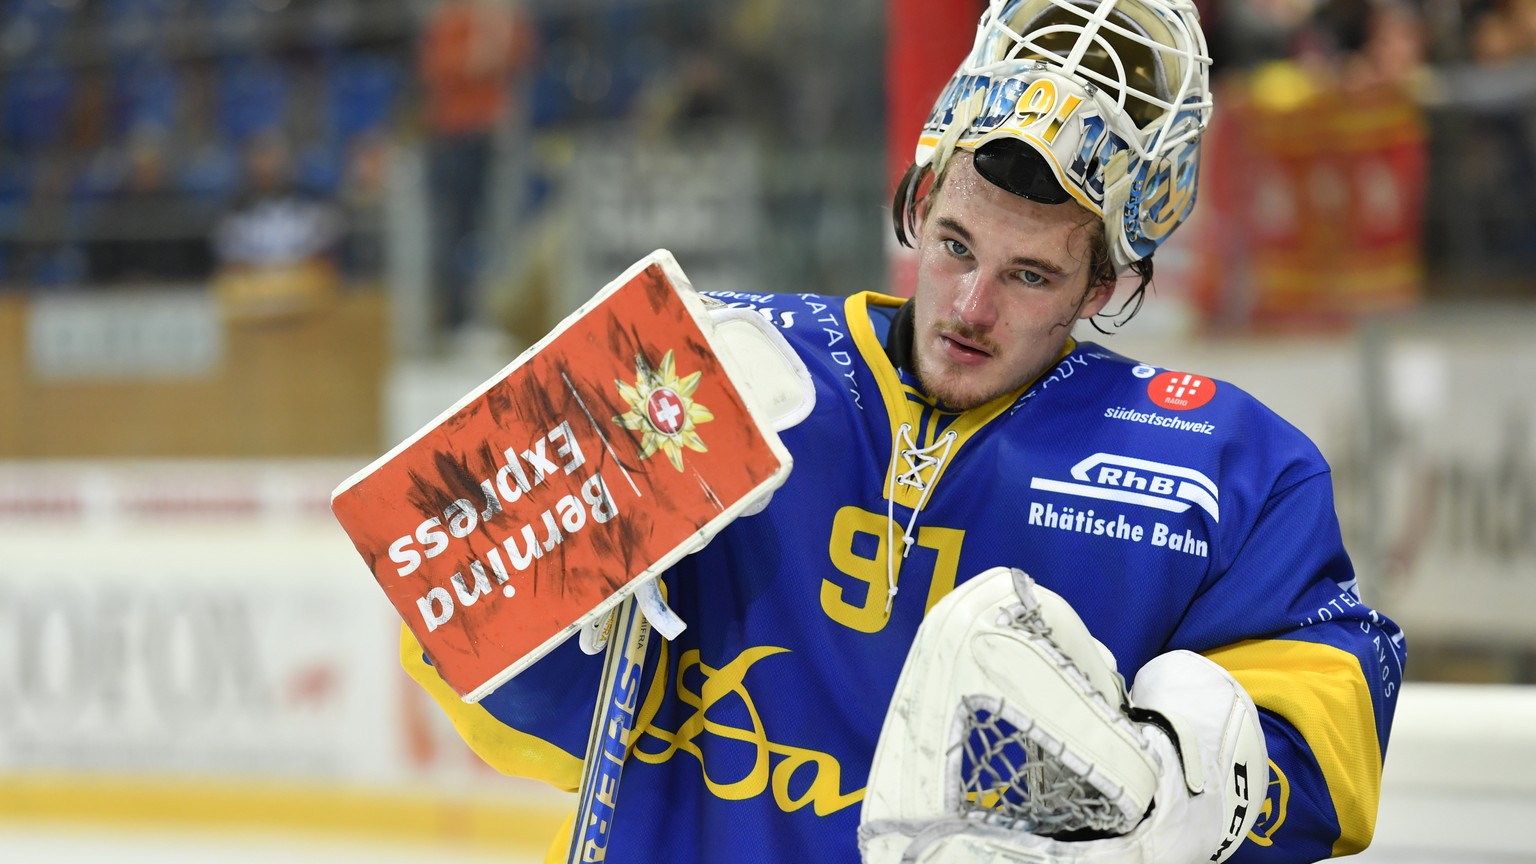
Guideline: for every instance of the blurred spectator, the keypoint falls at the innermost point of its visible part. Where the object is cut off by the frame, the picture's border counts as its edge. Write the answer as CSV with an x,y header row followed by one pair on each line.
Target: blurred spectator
x,y
472,52
1489,147
276,245
1338,27
1248,33
1523,14
46,255
1397,45
273,223
141,230
361,196
1501,32
1361,44
1353,43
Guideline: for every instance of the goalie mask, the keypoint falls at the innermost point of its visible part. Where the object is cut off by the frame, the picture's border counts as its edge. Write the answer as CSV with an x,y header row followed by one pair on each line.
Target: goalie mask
x,y
1099,102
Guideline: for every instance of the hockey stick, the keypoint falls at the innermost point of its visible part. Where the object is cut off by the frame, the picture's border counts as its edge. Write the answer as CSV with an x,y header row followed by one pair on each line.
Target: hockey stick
x,y
613,721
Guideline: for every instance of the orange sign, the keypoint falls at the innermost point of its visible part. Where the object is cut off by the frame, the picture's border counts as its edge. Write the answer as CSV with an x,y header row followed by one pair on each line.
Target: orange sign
x,y
604,454
1313,211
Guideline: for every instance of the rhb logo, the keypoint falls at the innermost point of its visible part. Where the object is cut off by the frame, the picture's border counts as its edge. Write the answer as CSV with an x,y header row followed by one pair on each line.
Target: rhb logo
x,y
1180,391
1109,477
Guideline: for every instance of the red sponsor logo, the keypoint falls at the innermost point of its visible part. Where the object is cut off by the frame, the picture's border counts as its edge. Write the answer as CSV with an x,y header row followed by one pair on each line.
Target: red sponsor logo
x,y
1180,391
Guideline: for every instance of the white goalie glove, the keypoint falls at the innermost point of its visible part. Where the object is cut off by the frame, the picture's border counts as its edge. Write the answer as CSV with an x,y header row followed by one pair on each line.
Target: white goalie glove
x,y
1011,739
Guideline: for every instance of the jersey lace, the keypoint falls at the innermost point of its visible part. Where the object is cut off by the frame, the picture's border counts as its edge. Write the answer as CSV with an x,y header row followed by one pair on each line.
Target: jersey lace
x,y
920,470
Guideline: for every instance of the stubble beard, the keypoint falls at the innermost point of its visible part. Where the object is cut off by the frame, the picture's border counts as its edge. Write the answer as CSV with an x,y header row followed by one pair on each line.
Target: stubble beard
x,y
949,383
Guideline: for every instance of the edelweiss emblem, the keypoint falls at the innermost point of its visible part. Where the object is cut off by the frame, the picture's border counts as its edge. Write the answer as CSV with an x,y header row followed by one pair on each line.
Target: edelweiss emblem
x,y
662,408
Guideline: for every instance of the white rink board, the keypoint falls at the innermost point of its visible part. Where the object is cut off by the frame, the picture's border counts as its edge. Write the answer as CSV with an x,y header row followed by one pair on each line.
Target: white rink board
x,y
1458,786
219,651
191,620
176,627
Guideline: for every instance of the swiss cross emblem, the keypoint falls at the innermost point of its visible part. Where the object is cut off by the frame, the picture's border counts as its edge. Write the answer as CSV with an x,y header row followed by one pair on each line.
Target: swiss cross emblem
x,y
662,409
665,410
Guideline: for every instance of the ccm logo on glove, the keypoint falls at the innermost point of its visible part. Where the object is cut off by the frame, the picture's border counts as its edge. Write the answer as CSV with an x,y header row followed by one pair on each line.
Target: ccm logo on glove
x,y
1240,812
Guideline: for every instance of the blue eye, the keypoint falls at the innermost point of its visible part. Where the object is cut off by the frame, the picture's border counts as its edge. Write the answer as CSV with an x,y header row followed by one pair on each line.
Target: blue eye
x,y
955,247
1030,277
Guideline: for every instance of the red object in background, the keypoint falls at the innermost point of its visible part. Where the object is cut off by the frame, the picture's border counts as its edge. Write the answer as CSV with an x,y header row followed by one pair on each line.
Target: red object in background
x,y
925,41
470,53
1322,208
1336,219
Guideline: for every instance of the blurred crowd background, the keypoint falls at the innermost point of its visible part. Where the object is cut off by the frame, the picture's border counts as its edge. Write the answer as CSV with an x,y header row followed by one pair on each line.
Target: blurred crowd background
x,y
159,143
246,246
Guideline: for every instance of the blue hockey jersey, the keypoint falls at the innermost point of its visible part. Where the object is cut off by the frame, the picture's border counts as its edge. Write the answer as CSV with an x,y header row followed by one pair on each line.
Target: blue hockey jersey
x,y
1171,510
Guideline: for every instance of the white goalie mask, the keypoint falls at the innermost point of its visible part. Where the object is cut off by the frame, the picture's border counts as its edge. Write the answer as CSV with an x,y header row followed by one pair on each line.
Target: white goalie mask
x,y
1101,101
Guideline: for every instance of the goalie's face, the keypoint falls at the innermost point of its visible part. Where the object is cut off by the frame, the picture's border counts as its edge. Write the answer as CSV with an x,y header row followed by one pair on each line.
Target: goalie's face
x,y
1001,279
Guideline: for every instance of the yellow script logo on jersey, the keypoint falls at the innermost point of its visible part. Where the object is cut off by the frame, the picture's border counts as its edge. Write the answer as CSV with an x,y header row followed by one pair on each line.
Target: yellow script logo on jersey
x,y
774,766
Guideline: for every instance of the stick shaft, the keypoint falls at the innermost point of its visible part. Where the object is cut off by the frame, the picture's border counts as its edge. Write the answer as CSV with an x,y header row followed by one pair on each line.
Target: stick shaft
x,y
613,721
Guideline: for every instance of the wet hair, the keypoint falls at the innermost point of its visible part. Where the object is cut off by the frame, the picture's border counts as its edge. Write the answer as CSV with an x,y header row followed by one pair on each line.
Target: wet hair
x,y
909,197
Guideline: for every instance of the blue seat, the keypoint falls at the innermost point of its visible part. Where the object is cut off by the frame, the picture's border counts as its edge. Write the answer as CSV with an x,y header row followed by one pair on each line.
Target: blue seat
x,y
35,107
145,93
135,26
363,93
232,23
252,93
42,21
15,179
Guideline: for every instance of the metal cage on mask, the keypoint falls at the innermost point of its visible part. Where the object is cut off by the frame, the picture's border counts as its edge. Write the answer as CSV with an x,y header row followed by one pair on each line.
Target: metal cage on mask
x,y
1098,102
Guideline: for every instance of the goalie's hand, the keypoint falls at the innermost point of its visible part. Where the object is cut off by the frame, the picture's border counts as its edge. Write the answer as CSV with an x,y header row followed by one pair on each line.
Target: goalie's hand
x,y
1221,758
1171,773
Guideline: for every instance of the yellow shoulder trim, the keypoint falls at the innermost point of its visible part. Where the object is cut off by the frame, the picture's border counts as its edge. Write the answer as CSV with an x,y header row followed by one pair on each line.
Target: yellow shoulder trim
x,y
502,747
1320,690
856,311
